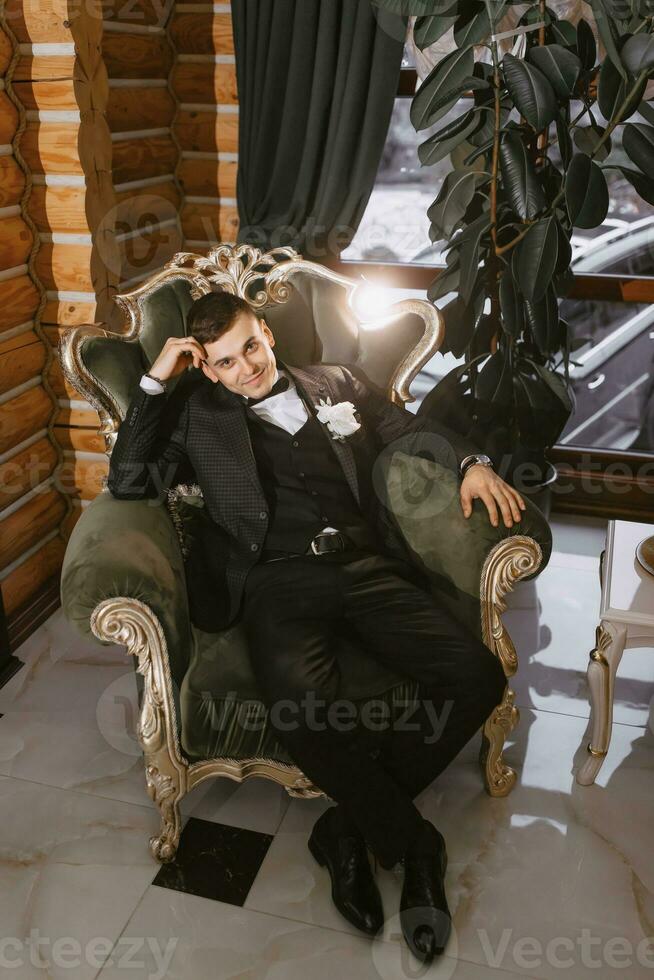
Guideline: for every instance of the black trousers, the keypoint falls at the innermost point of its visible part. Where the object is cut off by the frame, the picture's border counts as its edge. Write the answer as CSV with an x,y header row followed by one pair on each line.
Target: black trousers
x,y
292,608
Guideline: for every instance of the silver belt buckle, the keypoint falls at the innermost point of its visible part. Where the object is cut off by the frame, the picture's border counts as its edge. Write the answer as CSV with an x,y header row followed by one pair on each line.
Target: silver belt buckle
x,y
322,534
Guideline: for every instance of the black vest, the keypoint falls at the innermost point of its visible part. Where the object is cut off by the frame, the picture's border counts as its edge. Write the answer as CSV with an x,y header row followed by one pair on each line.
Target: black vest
x,y
304,485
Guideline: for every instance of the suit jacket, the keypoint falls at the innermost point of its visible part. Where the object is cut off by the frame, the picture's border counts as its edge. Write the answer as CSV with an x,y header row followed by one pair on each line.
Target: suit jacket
x,y
199,434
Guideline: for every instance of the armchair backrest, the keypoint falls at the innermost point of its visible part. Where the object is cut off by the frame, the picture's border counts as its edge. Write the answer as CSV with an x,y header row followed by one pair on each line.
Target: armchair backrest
x,y
307,306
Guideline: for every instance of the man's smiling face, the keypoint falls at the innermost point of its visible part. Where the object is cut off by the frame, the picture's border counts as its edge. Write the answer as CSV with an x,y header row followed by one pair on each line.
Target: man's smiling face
x,y
242,358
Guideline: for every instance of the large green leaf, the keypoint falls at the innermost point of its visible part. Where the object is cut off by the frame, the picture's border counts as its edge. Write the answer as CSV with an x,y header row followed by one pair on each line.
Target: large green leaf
x,y
586,45
613,89
483,335
444,81
590,140
511,306
535,259
461,321
565,140
469,249
530,90
564,256
441,144
637,53
638,144
646,110
475,153
608,34
559,66
494,381
519,181
454,197
444,283
428,30
473,25
563,32
543,319
640,184
543,404
586,193
556,383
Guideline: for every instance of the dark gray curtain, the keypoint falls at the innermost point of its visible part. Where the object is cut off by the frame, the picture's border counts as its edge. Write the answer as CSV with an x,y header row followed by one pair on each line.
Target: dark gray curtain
x,y
316,81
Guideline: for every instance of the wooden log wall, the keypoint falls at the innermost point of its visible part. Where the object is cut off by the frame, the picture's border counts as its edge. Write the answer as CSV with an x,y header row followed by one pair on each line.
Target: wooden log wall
x,y
118,148
33,505
59,82
206,124
139,59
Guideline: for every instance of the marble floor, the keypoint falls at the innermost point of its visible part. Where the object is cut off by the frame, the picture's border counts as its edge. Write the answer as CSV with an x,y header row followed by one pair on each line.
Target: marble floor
x,y
556,880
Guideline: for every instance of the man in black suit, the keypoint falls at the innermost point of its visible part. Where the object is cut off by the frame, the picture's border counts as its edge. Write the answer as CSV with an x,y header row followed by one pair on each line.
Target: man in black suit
x,y
299,543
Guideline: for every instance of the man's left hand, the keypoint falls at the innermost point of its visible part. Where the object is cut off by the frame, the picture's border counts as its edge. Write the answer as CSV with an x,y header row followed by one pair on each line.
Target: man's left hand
x,y
482,482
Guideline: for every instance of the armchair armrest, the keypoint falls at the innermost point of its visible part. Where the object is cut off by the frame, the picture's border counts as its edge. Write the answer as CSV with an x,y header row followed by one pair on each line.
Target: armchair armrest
x,y
470,564
128,548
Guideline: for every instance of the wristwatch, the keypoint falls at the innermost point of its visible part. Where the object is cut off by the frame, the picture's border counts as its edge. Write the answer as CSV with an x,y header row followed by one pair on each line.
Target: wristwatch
x,y
475,459
163,384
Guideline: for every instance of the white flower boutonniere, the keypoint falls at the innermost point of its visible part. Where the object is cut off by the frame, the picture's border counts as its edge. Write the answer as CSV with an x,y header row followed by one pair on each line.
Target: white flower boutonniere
x,y
340,418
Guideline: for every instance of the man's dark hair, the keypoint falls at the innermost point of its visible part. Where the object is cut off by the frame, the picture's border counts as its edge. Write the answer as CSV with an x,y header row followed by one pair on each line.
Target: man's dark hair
x,y
213,314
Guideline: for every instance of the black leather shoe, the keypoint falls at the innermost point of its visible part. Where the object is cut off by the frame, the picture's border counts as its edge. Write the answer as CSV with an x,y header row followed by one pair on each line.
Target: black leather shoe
x,y
424,913
354,890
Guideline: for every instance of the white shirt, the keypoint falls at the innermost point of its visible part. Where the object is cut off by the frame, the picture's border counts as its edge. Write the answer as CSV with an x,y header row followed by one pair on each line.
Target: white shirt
x,y
285,409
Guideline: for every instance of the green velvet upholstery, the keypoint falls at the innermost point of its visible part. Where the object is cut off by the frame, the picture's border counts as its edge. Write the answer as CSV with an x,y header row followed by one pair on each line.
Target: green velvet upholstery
x,y
423,498
129,548
134,549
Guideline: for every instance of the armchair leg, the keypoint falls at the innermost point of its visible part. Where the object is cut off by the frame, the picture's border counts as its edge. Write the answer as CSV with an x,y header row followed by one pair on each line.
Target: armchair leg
x,y
498,776
163,791
130,622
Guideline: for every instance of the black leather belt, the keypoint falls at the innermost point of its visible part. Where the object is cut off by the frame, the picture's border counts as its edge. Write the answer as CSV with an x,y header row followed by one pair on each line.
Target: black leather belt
x,y
324,543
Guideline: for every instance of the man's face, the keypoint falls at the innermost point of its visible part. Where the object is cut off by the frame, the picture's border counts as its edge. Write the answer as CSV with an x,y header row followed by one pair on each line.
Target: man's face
x,y
242,358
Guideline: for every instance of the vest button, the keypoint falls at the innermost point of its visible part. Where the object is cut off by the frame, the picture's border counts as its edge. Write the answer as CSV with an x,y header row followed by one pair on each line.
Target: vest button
x,y
301,475
314,493
263,515
254,547
296,443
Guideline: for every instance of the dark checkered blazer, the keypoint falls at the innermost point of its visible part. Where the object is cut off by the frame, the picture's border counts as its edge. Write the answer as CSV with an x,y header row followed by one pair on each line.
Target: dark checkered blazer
x,y
199,434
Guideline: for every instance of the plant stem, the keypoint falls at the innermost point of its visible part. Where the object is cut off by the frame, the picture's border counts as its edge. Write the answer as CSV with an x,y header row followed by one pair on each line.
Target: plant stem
x,y
543,138
492,263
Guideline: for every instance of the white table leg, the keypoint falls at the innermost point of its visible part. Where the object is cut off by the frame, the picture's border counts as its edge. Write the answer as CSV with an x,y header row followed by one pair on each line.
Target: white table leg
x,y
604,659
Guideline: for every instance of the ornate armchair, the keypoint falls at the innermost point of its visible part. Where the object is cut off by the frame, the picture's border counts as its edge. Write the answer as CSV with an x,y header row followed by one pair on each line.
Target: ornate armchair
x,y
123,579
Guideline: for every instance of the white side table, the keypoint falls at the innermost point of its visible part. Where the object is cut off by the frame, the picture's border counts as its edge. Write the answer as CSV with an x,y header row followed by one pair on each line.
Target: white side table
x,y
626,620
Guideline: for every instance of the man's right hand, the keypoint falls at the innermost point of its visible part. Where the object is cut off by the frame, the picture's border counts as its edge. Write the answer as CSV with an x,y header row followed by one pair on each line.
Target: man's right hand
x,y
174,357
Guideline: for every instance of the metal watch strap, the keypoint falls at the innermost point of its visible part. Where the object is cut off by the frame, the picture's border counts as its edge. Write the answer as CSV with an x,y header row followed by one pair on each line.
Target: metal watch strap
x,y
473,460
158,380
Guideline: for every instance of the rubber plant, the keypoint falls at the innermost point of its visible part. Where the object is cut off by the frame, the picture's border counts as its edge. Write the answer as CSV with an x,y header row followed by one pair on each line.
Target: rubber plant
x,y
527,169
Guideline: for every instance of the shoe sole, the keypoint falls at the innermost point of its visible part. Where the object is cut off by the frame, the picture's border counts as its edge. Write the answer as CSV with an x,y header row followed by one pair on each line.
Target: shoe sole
x,y
324,863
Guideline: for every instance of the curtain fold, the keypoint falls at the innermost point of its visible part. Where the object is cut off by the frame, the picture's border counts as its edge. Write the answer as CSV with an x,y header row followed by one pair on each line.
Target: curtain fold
x,y
317,80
